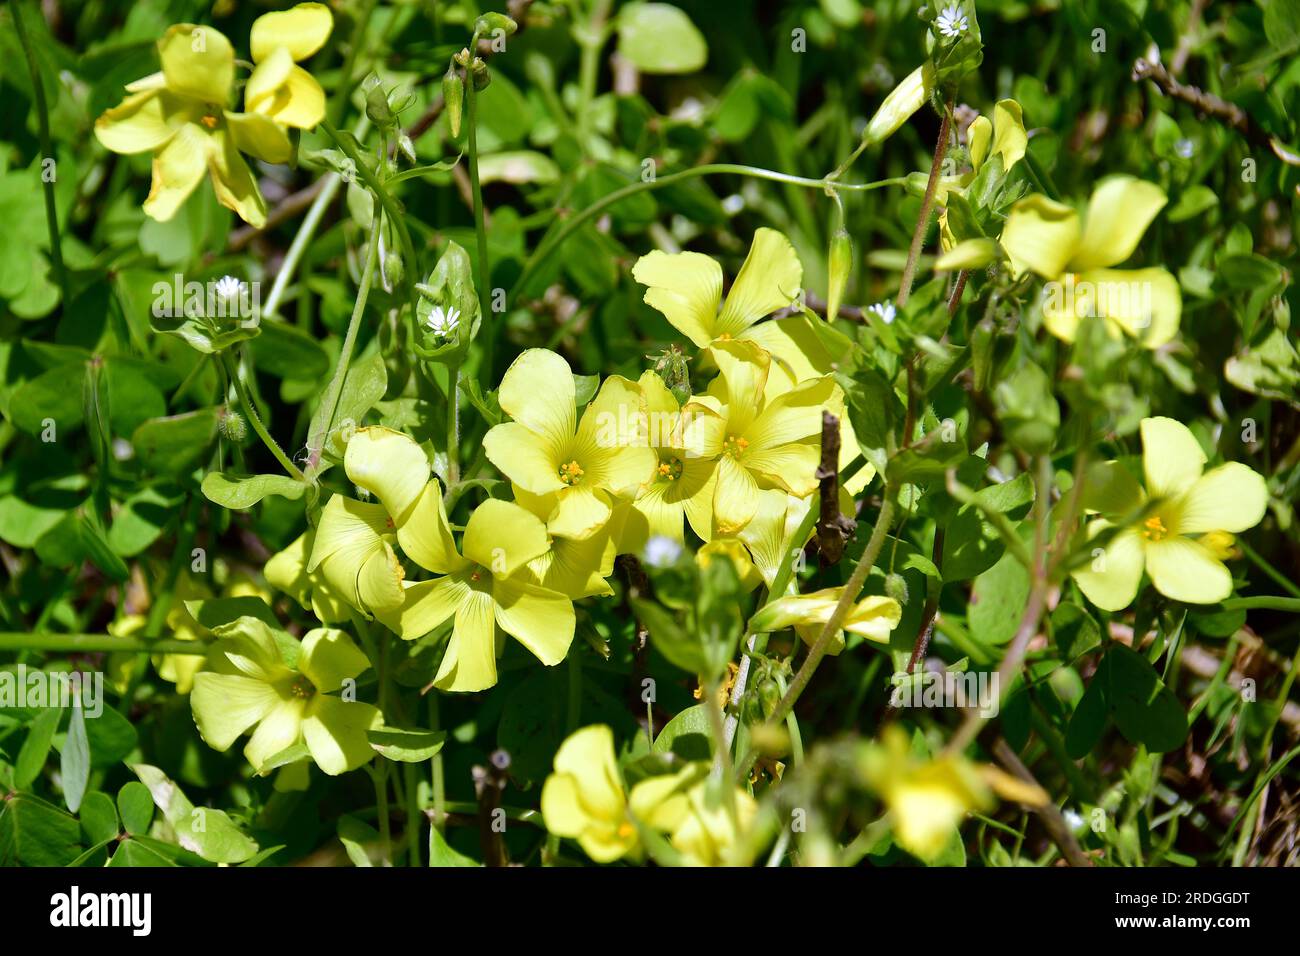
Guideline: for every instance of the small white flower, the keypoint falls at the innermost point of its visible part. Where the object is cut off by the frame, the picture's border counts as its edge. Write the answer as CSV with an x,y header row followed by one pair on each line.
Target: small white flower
x,y
1073,819
441,323
228,287
885,311
662,551
1185,148
952,23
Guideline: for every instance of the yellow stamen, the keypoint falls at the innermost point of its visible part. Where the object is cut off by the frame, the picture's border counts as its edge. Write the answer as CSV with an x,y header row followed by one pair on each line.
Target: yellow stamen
x,y
626,830
670,470
209,121
571,473
735,445
1154,529
303,688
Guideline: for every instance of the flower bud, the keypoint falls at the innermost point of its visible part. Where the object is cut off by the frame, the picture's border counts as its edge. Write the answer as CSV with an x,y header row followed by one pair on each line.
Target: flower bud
x,y
839,265
377,108
453,95
896,587
394,270
490,23
479,71
904,100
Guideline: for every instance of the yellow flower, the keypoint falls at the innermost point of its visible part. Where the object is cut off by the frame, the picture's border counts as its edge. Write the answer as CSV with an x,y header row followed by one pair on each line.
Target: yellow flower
x,y
180,115
928,797
278,88
584,799
906,98
576,567
687,288
1214,505
873,617
761,444
546,451
698,823
267,681
287,571
803,348
1047,238
681,486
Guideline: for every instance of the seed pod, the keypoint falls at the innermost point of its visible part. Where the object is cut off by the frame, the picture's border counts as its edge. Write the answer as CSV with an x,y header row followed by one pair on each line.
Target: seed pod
x,y
840,264
394,271
904,100
896,587
232,426
479,71
769,696
453,95
377,108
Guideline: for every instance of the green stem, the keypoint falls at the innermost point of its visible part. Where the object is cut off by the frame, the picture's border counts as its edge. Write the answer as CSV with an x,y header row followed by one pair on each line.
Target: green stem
x,y
548,245
250,411
334,391
350,62
923,220
437,777
391,208
480,224
47,152
1269,603
98,643
381,802
847,598
453,424
1259,561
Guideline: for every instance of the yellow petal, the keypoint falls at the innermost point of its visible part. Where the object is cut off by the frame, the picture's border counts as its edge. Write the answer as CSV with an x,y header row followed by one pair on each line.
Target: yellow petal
x,y
426,605
1145,303
792,467
540,619
301,30
771,530
1064,303
1184,570
978,137
1040,235
198,62
967,254
259,136
177,169
587,756
140,123
562,808
742,379
1171,457
390,465
874,617
285,93
661,802
470,662
425,535
329,657
226,705
527,458
768,280
349,535
580,512
1231,498
379,582
734,551
1119,212
612,442
795,415
279,730
903,100
686,287
735,498
1110,580
1009,138
335,732
502,537
537,391
233,182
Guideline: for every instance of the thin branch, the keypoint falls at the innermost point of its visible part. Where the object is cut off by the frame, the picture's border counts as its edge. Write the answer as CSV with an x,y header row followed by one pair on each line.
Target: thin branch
x,y
833,528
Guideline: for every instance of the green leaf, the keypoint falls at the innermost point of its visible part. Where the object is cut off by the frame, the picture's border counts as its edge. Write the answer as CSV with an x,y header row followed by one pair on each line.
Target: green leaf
x,y
241,492
406,746
286,351
52,398
518,167
686,735
98,817
207,832
532,723
1088,721
441,853
176,443
997,601
1075,630
36,748
660,38
214,612
366,382
1145,710
135,804
874,410
1028,410
359,840
75,763
36,833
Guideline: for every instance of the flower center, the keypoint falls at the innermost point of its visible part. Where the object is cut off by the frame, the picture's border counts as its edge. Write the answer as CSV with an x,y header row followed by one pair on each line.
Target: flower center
x,y
1153,529
735,446
209,120
670,470
626,830
303,688
571,473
